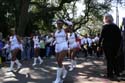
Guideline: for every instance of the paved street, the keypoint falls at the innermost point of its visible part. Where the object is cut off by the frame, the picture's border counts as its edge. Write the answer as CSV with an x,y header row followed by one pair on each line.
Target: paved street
x,y
90,70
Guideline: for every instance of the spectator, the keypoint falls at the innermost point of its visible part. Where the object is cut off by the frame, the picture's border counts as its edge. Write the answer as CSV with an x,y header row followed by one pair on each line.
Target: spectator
x,y
110,39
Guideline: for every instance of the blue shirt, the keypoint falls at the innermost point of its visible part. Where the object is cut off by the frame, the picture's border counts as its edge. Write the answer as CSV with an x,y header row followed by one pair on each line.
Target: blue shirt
x,y
1,45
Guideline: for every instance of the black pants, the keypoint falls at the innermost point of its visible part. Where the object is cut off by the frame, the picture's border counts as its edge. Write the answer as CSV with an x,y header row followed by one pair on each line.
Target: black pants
x,y
90,50
85,50
112,65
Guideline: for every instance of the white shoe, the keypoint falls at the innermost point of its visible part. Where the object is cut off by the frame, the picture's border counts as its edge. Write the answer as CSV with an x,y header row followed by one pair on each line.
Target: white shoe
x,y
71,68
34,64
9,70
61,81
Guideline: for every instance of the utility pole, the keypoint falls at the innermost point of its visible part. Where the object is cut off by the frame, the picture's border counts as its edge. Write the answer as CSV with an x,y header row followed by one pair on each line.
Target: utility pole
x,y
117,13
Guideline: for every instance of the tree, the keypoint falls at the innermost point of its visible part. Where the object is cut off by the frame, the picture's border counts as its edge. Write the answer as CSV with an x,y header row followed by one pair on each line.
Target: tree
x,y
6,16
93,10
19,13
28,15
46,12
23,17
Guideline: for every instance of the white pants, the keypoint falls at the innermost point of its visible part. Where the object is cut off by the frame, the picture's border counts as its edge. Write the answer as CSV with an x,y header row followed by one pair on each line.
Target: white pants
x,y
61,46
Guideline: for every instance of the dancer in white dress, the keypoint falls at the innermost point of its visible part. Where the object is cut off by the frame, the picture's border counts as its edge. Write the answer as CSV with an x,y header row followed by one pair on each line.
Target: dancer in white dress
x,y
36,50
72,45
61,49
14,43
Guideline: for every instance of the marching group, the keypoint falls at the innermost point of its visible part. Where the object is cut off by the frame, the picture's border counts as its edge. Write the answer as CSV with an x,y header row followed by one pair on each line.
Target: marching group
x,y
38,46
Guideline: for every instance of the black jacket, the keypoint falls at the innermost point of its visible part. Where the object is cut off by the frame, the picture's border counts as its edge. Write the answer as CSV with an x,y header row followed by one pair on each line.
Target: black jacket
x,y
110,36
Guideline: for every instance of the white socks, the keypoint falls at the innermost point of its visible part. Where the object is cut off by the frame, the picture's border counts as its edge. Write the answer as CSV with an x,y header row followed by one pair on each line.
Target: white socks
x,y
60,72
12,64
58,75
40,60
73,65
64,73
35,59
18,64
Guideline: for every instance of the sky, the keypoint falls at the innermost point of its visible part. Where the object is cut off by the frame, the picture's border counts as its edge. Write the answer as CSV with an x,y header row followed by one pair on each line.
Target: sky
x,y
121,13
113,12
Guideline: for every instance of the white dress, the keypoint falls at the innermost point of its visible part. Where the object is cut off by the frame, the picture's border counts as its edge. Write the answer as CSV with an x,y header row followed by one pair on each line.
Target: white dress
x,y
61,42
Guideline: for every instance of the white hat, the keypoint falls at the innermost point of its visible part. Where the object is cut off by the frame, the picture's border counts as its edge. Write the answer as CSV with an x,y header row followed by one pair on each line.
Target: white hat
x,y
69,23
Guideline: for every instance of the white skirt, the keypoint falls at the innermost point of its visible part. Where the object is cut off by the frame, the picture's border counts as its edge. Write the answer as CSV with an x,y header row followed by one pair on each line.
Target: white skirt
x,y
61,47
73,45
14,47
36,46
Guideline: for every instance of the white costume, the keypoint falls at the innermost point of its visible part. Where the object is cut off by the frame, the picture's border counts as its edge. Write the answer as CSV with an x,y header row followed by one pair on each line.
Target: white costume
x,y
13,45
72,41
61,43
36,42
72,44
37,45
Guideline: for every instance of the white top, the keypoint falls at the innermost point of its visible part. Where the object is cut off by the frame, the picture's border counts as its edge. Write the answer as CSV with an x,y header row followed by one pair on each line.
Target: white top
x,y
84,41
89,41
36,40
13,40
93,40
60,36
71,38
96,39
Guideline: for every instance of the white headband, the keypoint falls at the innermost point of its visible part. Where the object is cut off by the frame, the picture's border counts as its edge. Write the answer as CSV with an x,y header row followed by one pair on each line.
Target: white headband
x,y
69,23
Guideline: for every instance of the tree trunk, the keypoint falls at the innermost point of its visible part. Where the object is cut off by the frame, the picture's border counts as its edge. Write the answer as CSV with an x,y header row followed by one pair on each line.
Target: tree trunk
x,y
23,17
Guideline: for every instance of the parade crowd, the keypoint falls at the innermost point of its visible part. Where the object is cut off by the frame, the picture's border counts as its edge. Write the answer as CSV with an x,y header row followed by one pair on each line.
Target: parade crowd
x,y
88,46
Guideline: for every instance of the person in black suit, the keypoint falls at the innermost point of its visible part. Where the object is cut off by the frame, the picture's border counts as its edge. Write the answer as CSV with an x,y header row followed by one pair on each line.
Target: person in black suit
x,y
110,40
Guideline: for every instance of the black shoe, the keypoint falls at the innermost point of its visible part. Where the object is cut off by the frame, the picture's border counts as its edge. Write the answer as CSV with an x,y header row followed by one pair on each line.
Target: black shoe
x,y
113,78
117,75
